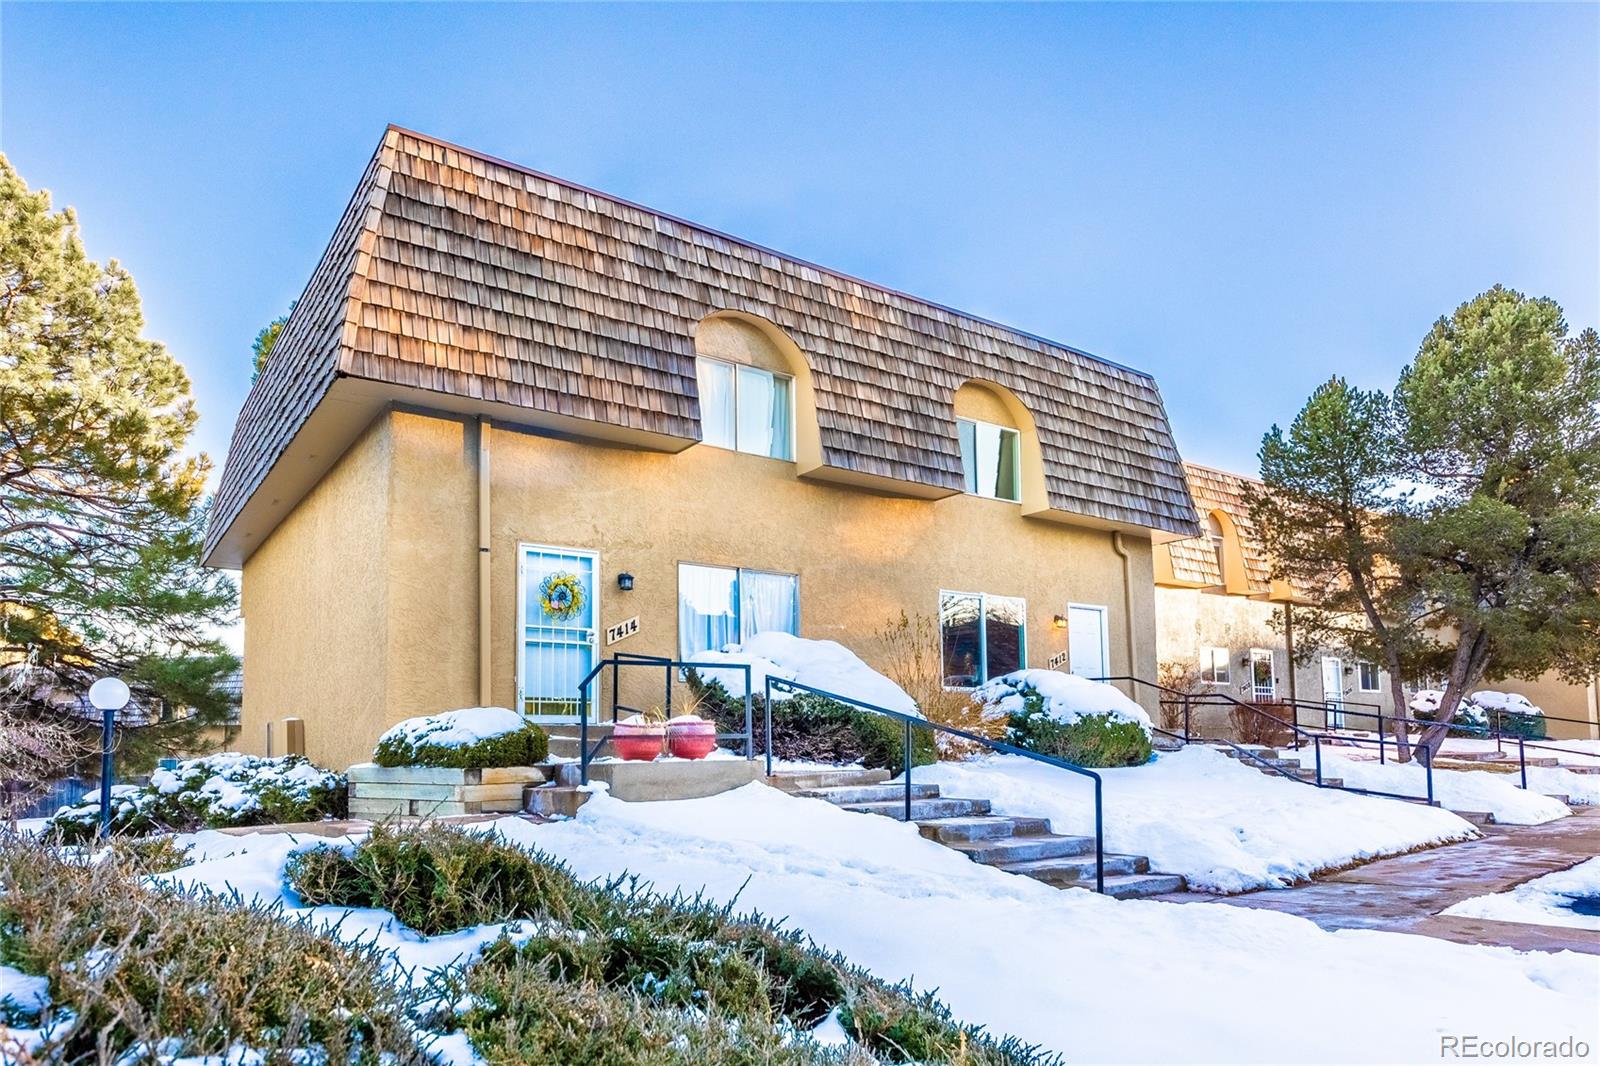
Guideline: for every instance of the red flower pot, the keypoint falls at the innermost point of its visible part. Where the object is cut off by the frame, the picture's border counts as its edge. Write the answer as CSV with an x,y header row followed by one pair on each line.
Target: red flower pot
x,y
638,743
691,738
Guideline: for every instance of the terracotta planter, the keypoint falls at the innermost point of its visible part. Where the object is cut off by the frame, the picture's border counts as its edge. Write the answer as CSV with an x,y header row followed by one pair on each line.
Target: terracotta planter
x,y
691,738
637,743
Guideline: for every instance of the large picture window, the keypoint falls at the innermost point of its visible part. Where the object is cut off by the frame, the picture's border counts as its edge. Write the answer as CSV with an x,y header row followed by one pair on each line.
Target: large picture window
x,y
981,636
989,459
721,605
746,409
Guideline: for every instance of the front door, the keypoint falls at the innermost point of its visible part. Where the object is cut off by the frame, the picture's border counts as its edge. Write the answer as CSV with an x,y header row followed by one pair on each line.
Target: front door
x,y
557,603
1333,691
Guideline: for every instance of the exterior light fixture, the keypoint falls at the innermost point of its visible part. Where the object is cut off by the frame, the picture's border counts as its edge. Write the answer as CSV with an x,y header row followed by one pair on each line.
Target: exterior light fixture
x,y
1059,621
108,696
625,581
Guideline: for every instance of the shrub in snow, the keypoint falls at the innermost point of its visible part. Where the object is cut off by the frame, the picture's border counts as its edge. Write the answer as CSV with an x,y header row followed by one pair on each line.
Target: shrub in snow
x,y
824,664
653,979
1084,722
218,791
1504,712
812,728
187,975
468,739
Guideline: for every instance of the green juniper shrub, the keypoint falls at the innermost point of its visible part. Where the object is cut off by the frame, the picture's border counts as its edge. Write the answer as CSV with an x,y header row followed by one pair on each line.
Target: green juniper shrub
x,y
1092,740
133,967
527,746
810,727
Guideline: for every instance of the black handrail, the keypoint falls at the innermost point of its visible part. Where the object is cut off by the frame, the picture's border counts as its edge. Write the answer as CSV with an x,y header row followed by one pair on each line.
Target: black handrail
x,y
1222,699
621,659
910,720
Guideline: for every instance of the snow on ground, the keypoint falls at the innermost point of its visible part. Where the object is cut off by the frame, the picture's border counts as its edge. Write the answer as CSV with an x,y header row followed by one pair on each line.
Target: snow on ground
x,y
824,664
1067,968
22,992
456,729
1545,900
1067,697
1224,826
1571,752
1456,790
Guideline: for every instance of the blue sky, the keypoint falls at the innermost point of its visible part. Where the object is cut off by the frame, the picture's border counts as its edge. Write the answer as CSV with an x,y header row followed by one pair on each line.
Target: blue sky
x,y
1241,200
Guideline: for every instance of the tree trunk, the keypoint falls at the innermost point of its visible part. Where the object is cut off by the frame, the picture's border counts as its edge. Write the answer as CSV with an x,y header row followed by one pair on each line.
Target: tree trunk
x,y
1397,691
1465,671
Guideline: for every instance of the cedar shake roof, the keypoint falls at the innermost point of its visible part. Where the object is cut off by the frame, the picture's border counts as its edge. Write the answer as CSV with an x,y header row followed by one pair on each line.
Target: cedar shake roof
x,y
1195,560
469,279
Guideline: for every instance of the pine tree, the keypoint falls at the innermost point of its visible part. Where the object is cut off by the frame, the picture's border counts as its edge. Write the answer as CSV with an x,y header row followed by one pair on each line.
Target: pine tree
x,y
101,515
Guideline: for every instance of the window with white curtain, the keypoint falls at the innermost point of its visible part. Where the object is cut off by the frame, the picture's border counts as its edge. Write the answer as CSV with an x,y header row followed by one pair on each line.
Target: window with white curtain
x,y
988,459
1214,666
981,636
721,605
746,408
1369,677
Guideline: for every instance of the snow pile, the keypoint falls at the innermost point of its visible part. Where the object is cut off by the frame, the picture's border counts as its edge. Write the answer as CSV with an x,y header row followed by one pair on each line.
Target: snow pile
x,y
824,664
1458,790
1474,709
1059,966
227,789
1223,825
1066,697
455,729
22,996
1506,703
1545,900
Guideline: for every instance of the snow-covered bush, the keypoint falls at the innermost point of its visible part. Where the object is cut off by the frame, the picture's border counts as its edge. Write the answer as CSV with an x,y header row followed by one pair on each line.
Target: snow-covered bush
x,y
669,980
812,728
134,973
1503,712
217,791
1085,722
824,664
471,738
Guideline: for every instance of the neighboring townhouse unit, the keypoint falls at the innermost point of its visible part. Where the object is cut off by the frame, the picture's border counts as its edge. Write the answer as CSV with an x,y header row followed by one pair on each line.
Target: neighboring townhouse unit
x,y
1223,624
514,425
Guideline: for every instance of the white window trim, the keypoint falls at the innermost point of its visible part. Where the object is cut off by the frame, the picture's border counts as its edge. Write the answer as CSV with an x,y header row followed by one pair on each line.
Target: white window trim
x,y
1377,677
738,576
1016,459
793,409
1227,663
1105,634
983,636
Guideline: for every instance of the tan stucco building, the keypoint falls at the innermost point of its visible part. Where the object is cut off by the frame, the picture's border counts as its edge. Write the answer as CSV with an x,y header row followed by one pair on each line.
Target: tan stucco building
x,y
499,387
1223,624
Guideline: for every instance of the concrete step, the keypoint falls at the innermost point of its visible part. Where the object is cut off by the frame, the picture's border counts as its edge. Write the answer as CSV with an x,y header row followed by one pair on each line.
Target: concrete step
x,y
1162,743
801,780
924,810
842,795
1571,769
1075,869
1478,818
1565,800
1008,850
1136,886
981,827
554,801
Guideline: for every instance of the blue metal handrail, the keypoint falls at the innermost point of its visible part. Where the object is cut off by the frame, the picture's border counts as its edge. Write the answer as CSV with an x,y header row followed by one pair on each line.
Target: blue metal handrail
x,y
910,721
619,660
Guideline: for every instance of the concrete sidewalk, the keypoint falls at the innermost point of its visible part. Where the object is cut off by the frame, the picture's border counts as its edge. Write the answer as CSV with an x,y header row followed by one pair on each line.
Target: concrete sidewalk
x,y
1405,894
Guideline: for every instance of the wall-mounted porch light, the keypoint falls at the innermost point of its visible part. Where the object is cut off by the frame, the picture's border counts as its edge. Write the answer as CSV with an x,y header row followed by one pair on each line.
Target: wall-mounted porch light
x,y
1059,621
625,581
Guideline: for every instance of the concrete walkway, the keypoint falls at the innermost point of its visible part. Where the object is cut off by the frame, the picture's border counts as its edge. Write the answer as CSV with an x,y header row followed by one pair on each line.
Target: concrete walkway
x,y
1405,894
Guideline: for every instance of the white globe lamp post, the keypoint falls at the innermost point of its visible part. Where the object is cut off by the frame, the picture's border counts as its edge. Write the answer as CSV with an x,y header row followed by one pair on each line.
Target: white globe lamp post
x,y
108,696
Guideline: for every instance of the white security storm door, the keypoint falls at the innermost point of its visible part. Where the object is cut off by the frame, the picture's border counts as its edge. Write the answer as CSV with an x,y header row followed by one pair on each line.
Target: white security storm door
x,y
1086,641
1333,691
557,602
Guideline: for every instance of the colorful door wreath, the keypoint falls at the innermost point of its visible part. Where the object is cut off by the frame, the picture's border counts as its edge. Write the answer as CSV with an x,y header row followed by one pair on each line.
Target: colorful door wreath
x,y
561,595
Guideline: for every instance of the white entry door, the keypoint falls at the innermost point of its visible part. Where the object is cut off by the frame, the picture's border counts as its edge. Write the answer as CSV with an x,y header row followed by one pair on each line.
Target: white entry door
x,y
1086,641
1333,691
558,604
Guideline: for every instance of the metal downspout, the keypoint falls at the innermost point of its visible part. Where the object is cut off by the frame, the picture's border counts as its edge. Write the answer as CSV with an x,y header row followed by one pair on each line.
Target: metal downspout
x,y
485,643
1127,601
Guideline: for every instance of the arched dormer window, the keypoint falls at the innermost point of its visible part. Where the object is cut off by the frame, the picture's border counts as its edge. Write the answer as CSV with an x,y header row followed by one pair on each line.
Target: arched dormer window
x,y
998,444
1218,542
747,384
